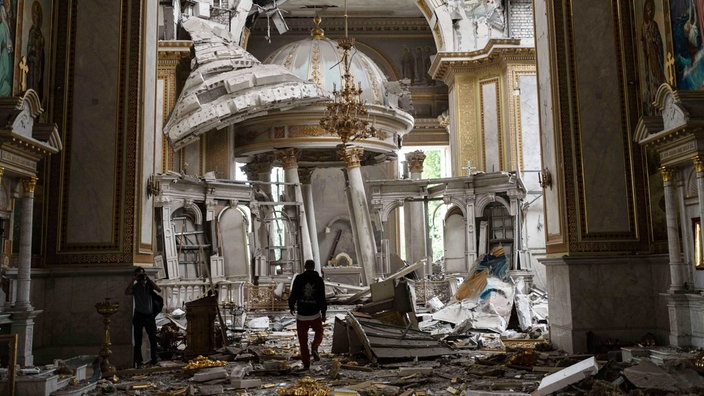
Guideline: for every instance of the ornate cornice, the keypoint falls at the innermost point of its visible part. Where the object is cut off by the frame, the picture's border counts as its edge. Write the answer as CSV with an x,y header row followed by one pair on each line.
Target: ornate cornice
x,y
495,51
357,26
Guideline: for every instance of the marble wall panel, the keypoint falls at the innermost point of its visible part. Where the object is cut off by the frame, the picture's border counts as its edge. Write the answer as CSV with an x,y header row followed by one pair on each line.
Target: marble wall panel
x,y
600,121
151,120
70,325
93,127
491,128
548,137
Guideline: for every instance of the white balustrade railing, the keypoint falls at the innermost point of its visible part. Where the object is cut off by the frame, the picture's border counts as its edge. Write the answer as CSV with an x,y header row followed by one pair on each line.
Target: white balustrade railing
x,y
177,293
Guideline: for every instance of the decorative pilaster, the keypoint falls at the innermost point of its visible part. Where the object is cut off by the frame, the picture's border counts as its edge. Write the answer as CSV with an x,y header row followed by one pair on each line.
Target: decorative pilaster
x,y
305,176
415,214
362,219
289,161
679,273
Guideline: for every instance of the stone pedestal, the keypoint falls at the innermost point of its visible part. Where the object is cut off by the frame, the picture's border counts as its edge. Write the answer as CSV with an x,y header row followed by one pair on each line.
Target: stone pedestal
x,y
613,297
23,326
686,313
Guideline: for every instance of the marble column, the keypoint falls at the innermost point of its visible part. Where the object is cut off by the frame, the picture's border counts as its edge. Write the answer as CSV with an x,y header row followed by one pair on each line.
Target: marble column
x,y
23,313
289,160
259,169
679,272
416,217
353,220
362,218
304,175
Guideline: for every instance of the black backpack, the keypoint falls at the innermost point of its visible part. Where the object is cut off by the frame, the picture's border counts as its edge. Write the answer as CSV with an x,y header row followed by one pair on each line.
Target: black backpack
x,y
157,303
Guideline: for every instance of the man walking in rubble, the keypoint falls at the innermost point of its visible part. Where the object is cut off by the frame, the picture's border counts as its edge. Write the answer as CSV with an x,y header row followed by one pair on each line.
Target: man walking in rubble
x,y
307,303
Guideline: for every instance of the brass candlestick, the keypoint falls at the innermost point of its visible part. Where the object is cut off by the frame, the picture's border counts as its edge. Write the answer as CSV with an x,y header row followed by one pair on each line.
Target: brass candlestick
x,y
106,309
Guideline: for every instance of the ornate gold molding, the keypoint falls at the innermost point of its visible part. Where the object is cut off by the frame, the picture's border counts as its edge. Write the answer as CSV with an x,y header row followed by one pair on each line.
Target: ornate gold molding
x,y
352,156
29,184
306,130
698,164
2,172
288,158
667,173
415,161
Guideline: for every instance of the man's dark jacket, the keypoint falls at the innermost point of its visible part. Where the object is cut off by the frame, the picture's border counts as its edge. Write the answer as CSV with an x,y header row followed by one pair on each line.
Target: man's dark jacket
x,y
308,294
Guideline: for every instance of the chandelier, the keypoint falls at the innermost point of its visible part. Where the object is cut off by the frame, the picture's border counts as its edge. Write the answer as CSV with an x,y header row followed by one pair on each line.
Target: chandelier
x,y
347,114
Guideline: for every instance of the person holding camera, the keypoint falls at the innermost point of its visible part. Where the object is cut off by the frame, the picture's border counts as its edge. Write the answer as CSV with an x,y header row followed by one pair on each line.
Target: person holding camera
x,y
308,296
140,288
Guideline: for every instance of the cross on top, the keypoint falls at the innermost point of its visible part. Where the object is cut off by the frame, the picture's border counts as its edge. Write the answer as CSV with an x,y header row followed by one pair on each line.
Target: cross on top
x,y
24,68
470,169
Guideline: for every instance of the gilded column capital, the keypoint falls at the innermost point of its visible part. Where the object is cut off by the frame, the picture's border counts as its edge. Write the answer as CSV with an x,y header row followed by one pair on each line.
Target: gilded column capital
x,y
305,174
415,161
352,156
257,167
29,183
288,158
667,173
2,173
698,163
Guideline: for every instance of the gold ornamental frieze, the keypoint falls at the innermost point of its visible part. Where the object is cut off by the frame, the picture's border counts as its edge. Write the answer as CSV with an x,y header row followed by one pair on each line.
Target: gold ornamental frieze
x,y
279,132
296,131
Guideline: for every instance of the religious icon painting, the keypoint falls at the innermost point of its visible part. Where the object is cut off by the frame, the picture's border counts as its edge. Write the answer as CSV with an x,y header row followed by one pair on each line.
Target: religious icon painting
x,y
8,13
33,46
652,32
687,23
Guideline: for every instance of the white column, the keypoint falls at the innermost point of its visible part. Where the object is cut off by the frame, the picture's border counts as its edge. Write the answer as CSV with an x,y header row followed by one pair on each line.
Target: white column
x,y
678,270
289,161
305,174
25,254
362,219
23,313
416,218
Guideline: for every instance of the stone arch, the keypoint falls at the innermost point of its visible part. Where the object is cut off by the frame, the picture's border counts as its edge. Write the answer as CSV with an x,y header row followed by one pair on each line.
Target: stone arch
x,y
485,200
438,17
191,207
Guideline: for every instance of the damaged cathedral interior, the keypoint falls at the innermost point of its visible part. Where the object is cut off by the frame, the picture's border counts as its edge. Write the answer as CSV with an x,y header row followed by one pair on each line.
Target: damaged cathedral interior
x,y
500,196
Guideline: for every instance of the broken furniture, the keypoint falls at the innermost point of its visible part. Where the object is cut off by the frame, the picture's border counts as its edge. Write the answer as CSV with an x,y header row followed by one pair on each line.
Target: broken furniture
x,y
380,341
200,333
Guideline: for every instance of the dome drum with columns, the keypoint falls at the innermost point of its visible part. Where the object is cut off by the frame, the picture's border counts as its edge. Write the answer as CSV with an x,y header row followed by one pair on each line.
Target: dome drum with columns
x,y
318,60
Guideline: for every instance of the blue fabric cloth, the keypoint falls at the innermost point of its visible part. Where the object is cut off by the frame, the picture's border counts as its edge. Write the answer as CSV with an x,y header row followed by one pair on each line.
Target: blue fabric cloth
x,y
497,266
